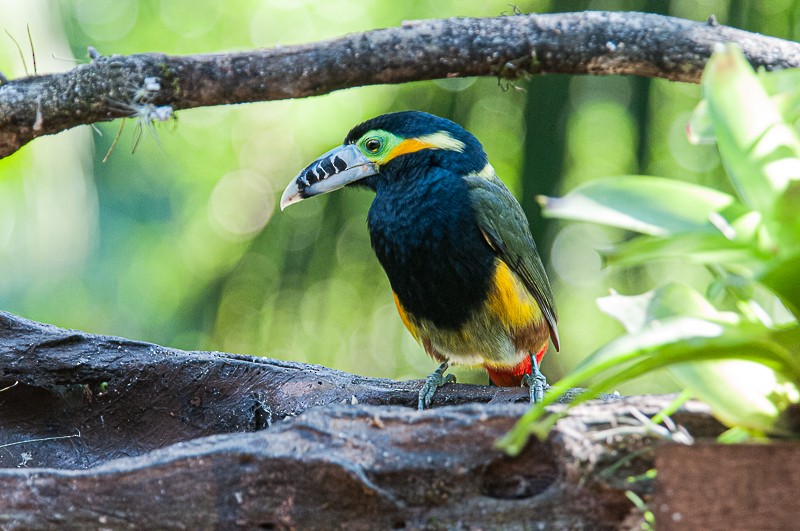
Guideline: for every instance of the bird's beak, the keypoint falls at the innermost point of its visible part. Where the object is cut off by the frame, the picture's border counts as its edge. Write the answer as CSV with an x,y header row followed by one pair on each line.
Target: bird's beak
x,y
333,170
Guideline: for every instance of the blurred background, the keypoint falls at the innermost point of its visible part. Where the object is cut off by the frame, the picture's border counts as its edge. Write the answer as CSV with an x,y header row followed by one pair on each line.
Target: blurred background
x,y
181,243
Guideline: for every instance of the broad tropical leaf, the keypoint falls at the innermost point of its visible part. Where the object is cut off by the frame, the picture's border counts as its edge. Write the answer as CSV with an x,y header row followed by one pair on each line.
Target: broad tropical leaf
x,y
648,205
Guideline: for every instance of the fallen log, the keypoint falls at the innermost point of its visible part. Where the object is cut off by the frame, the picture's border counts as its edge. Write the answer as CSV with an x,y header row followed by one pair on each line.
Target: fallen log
x,y
105,432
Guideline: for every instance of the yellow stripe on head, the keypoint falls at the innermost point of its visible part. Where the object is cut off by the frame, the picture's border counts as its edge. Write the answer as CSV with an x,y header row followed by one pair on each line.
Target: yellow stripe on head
x,y
443,140
438,140
510,301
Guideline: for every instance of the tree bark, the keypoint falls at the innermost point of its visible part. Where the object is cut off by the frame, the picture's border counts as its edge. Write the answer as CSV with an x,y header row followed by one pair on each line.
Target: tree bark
x,y
104,432
507,47
728,486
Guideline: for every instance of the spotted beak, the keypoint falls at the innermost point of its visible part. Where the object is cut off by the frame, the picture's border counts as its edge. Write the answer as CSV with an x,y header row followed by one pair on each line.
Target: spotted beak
x,y
333,170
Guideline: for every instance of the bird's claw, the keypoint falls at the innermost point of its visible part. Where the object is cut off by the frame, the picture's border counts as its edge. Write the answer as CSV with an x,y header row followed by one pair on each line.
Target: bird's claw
x,y
536,382
433,382
536,386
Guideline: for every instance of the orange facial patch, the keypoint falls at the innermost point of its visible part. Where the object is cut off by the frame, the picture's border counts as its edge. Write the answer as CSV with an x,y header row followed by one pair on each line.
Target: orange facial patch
x,y
510,301
412,145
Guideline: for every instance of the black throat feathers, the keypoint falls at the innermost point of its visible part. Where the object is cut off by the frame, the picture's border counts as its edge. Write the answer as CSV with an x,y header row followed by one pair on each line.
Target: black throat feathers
x,y
425,235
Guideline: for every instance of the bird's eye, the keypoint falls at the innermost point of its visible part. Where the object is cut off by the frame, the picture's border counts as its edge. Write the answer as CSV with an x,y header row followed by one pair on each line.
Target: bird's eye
x,y
373,145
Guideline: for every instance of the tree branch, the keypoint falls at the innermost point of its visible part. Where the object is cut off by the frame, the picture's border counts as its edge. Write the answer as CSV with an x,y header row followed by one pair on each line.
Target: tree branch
x,y
507,47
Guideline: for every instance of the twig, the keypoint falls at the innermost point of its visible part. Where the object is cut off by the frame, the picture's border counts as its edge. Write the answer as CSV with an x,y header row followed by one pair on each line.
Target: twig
x,y
19,49
641,424
33,51
114,143
43,439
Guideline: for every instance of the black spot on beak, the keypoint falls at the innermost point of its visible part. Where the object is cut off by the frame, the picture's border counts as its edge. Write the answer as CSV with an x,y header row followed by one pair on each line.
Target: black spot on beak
x,y
327,167
308,179
339,164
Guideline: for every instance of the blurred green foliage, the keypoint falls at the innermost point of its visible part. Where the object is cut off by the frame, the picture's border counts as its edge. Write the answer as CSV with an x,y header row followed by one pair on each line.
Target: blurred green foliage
x,y
736,345
184,246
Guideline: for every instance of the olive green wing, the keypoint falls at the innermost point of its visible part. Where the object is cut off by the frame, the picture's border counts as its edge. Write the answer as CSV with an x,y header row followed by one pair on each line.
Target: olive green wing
x,y
505,227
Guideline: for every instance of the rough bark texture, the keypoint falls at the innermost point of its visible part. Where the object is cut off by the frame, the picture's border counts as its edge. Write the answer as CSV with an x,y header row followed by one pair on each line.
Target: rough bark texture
x,y
728,487
507,47
102,432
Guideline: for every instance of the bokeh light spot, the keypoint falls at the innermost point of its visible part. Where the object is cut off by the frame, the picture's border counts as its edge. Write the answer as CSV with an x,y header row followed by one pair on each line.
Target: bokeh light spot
x,y
106,21
205,15
574,256
241,204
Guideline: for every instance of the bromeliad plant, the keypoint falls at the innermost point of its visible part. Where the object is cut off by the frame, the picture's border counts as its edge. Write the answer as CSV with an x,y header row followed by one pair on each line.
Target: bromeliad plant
x,y
745,361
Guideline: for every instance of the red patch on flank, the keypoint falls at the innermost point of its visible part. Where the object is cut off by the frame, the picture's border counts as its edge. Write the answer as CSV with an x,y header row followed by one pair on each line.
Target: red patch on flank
x,y
511,376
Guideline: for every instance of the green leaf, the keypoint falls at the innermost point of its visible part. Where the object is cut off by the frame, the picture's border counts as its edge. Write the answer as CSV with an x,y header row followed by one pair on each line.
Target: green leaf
x,y
670,409
781,277
760,151
636,312
649,205
738,223
780,85
691,247
786,218
783,86
669,341
737,435
748,371
700,129
741,371
740,392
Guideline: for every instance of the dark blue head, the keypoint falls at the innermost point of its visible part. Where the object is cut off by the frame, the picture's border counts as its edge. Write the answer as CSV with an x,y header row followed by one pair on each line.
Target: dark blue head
x,y
389,149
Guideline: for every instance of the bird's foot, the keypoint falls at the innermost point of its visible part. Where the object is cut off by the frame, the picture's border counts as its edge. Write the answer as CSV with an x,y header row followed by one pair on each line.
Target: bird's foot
x,y
535,381
433,382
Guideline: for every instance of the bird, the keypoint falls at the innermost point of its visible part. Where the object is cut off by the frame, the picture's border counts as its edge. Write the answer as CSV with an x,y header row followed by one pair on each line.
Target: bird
x,y
465,273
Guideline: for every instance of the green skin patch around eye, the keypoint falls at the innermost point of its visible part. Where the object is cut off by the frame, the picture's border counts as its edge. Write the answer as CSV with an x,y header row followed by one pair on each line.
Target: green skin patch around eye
x,y
391,146
386,142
